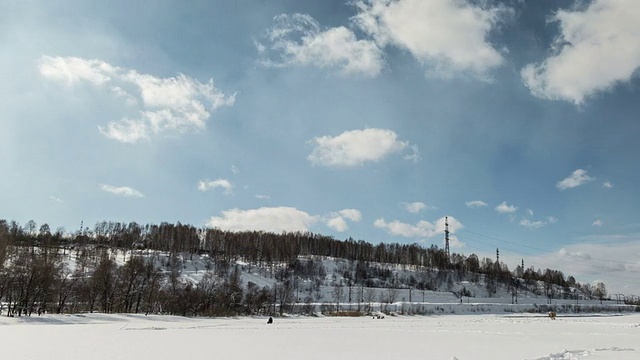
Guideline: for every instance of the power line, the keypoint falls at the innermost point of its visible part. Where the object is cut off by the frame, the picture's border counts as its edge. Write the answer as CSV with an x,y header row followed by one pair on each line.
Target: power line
x,y
535,248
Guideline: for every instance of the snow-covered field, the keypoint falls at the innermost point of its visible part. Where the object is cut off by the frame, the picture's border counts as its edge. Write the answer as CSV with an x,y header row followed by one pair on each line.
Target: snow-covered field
x,y
446,337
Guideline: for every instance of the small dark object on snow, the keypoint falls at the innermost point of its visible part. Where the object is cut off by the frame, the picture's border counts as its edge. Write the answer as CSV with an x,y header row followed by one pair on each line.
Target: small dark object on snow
x,y
270,321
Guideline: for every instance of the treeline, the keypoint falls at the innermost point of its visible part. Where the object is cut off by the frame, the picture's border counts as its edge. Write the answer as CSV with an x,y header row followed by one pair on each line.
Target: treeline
x,y
36,276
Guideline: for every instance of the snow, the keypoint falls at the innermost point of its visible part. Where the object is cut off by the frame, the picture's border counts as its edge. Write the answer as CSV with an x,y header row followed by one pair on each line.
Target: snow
x,y
446,337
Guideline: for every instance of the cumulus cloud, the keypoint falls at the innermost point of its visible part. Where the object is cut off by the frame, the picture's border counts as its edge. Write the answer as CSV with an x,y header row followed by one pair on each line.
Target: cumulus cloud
x,y
351,214
576,179
297,39
338,220
121,191
271,219
607,184
175,104
476,204
422,229
597,48
447,37
337,223
353,148
506,209
205,185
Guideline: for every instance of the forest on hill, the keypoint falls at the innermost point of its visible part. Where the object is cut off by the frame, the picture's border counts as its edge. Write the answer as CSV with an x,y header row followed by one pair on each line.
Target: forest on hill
x,y
130,268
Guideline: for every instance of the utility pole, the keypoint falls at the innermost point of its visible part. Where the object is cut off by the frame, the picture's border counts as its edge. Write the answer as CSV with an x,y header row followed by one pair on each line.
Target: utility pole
x,y
446,239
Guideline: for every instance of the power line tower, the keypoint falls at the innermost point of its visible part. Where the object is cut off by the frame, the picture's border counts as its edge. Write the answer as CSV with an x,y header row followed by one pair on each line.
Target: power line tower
x,y
447,252
498,256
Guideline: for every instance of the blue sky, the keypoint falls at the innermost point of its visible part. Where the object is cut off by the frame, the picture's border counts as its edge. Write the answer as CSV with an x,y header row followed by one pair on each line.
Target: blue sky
x,y
370,119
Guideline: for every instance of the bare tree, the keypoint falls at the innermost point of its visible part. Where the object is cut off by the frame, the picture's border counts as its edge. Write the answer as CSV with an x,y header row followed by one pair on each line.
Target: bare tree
x,y
600,291
338,295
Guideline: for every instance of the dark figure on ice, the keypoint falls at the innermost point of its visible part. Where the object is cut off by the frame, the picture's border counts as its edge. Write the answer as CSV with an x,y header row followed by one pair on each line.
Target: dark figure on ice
x,y
270,321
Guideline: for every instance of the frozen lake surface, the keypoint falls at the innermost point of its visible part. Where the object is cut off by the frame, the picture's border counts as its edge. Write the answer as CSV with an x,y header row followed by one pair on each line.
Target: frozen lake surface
x,y
446,337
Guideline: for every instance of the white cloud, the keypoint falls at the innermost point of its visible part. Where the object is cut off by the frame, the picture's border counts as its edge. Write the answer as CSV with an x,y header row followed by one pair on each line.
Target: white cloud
x,y
597,222
414,207
204,185
505,209
352,148
597,48
607,184
448,37
174,104
297,39
263,197
532,224
234,169
422,229
121,191
72,70
126,130
337,220
530,212
552,220
337,223
576,178
414,156
351,214
476,204
271,219
55,199
614,261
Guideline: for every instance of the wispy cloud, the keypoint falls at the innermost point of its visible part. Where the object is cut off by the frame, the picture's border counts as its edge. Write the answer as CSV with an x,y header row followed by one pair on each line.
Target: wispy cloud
x,y
298,40
121,191
414,156
476,204
532,224
56,200
597,49
263,197
204,185
175,104
597,223
506,209
447,37
607,184
577,178
353,148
